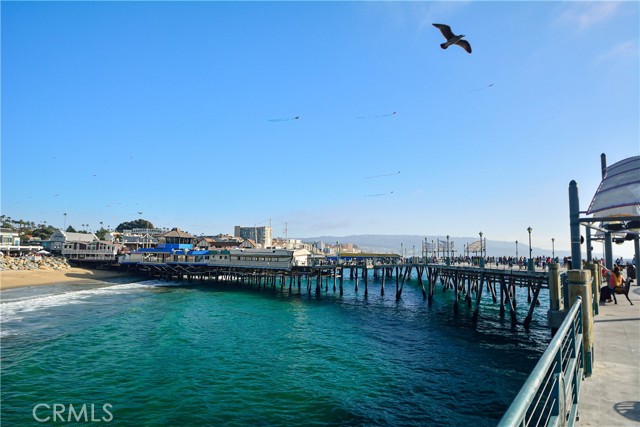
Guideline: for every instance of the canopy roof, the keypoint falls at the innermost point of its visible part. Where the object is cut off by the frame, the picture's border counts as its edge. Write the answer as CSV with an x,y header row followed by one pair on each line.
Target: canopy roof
x,y
619,190
474,246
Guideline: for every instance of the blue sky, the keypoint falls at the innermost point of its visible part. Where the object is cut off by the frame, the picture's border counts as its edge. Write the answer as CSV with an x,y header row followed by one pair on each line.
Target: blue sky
x,y
179,111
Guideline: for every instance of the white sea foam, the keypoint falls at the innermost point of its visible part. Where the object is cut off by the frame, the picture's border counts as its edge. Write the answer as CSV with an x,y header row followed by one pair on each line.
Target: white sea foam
x,y
13,310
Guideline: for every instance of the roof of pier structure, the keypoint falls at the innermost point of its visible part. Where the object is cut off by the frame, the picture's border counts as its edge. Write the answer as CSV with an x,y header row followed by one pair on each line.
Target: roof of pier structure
x,y
616,202
176,232
619,191
475,246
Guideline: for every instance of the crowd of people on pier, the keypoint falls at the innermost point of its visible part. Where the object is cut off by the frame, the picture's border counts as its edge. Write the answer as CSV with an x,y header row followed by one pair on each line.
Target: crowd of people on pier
x,y
499,262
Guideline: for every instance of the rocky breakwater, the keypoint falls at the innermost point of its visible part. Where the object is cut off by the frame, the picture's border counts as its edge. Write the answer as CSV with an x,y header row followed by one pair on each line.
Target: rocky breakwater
x,y
33,263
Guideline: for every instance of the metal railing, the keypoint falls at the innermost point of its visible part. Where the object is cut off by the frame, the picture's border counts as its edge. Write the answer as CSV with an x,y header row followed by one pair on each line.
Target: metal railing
x,y
549,397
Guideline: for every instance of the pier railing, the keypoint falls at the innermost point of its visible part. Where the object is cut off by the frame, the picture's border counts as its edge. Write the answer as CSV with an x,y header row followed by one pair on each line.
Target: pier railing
x,y
550,395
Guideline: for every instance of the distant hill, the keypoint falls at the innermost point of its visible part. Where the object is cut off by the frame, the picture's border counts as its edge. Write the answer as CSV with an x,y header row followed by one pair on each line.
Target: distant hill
x,y
393,243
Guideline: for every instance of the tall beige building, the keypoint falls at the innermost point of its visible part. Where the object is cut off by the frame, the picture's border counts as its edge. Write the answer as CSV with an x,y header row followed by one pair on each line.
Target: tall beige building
x,y
260,235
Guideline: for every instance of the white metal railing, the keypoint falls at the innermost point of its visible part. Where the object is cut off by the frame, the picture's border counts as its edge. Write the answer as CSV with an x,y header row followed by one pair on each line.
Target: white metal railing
x,y
550,395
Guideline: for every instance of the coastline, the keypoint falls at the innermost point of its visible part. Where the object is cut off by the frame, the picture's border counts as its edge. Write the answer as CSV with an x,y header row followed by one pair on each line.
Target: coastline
x,y
10,279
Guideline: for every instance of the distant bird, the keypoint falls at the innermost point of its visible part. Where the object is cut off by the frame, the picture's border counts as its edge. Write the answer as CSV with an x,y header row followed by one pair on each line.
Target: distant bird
x,y
285,120
378,195
452,38
379,115
379,176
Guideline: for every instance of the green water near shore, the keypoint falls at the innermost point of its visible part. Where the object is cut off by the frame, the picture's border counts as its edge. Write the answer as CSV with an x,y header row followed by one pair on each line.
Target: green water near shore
x,y
208,355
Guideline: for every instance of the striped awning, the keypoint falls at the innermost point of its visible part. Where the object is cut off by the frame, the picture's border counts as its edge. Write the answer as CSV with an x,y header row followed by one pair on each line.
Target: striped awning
x,y
619,190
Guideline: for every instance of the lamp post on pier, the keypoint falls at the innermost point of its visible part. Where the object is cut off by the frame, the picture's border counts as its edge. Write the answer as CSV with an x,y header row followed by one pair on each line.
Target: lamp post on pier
x,y
448,252
553,249
529,229
425,250
516,251
481,257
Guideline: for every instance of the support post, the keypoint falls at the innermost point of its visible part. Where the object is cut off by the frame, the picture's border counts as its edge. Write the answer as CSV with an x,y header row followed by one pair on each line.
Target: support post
x,y
420,269
574,224
365,275
608,251
556,314
588,241
580,285
596,274
356,280
319,282
636,246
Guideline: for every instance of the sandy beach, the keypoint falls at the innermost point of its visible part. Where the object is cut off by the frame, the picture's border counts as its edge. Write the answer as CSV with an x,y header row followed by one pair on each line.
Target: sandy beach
x,y
19,278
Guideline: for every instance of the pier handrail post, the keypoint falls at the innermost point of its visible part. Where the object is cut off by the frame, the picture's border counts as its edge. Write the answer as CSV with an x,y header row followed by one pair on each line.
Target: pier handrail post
x,y
556,313
580,285
596,275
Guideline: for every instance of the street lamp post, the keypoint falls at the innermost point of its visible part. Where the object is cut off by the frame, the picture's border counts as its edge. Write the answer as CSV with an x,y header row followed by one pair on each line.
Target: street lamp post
x,y
448,252
529,229
481,257
65,222
553,249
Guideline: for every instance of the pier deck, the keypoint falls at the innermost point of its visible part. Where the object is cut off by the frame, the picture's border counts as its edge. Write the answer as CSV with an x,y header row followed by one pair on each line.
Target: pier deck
x,y
611,395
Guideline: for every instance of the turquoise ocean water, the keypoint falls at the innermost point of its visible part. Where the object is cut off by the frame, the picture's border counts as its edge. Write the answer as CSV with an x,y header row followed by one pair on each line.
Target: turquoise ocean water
x,y
180,354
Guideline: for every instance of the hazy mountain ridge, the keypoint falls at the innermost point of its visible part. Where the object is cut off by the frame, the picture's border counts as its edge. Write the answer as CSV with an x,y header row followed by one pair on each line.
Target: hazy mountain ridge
x,y
411,243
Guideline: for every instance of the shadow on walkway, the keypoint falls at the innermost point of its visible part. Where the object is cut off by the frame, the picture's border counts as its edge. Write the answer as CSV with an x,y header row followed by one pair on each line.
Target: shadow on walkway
x,y
629,410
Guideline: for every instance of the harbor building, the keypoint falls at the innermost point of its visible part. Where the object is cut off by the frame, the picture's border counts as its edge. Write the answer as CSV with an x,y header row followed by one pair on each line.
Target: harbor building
x,y
10,243
59,238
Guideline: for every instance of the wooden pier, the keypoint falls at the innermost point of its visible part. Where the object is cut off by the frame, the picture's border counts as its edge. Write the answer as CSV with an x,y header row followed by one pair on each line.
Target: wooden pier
x,y
467,282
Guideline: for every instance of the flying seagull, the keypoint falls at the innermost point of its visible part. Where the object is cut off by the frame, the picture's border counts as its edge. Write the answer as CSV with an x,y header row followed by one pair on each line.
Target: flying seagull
x,y
379,115
285,120
378,195
452,38
379,176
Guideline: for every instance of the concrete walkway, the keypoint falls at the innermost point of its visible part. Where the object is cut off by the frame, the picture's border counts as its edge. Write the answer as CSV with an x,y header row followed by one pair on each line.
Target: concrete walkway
x,y
610,397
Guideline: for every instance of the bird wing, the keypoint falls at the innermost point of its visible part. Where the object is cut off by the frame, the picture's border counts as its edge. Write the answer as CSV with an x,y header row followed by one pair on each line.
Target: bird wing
x,y
464,44
445,30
